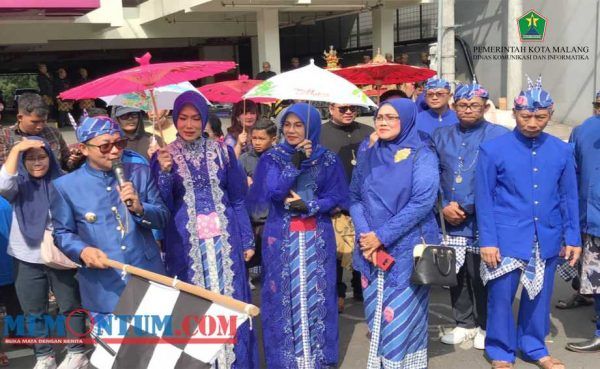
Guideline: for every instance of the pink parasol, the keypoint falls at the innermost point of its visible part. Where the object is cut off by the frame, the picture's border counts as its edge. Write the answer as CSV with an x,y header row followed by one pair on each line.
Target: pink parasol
x,y
232,91
146,76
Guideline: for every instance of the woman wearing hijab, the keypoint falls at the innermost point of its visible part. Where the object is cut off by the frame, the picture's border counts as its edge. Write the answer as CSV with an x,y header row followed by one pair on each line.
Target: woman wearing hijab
x,y
24,181
300,183
209,236
243,118
132,123
393,191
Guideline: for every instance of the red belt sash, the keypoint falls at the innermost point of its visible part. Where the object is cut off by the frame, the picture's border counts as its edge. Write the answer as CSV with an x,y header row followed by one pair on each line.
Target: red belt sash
x,y
303,224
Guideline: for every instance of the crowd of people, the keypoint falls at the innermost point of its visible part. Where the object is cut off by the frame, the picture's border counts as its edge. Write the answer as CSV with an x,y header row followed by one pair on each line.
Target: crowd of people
x,y
206,205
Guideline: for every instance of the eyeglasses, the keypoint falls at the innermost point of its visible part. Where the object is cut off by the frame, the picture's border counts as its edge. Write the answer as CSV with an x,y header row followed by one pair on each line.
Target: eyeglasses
x,y
437,94
473,107
344,109
105,148
596,105
387,118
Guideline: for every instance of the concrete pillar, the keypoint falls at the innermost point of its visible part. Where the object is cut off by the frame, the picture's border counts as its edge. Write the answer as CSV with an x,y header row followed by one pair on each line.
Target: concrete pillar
x,y
383,30
256,64
448,46
515,79
267,21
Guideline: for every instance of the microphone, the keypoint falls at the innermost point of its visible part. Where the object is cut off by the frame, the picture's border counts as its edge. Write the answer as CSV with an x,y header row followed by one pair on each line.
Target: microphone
x,y
119,171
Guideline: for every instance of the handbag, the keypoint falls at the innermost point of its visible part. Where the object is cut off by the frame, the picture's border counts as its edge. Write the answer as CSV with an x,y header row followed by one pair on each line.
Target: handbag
x,y
52,256
435,265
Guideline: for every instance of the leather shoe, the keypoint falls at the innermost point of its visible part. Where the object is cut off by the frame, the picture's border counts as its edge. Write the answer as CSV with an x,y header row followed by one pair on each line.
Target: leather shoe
x,y
592,345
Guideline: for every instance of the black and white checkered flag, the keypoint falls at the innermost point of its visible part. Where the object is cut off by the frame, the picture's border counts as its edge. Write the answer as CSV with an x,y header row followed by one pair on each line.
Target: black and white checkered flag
x,y
156,326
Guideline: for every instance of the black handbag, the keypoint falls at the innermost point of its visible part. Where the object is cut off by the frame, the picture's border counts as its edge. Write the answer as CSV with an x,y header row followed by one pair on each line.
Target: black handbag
x,y
437,264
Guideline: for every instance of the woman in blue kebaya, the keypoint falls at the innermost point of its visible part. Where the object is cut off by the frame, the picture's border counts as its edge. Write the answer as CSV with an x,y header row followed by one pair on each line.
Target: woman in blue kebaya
x,y
393,192
209,236
301,183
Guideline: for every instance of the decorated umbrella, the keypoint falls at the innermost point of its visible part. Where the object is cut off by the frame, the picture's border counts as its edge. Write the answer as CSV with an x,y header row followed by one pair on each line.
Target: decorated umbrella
x,y
232,91
310,83
380,72
165,97
146,76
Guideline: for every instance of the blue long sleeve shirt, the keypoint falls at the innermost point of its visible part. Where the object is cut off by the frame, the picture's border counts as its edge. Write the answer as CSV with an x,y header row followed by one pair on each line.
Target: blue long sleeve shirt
x,y
428,121
82,204
526,187
458,151
586,139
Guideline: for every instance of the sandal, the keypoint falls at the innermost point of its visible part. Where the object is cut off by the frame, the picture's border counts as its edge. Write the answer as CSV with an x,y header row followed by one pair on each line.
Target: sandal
x,y
3,359
549,362
497,364
574,301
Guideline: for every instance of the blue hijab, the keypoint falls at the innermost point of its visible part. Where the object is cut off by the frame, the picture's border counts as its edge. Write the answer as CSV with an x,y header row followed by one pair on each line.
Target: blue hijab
x,y
194,99
257,200
32,200
391,162
310,117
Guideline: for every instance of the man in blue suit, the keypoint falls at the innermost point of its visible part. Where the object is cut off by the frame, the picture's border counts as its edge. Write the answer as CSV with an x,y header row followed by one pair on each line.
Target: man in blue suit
x,y
586,139
527,209
437,96
457,147
92,221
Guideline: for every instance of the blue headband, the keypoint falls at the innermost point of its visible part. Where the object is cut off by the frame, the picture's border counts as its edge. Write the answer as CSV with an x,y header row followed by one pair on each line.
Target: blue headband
x,y
466,91
434,82
95,126
534,97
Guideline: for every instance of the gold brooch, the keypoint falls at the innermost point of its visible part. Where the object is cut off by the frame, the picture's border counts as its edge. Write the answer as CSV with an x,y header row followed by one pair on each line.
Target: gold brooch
x,y
90,217
401,155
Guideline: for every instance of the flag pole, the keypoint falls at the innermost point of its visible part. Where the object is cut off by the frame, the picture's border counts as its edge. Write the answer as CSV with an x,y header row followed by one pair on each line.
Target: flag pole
x,y
160,131
226,301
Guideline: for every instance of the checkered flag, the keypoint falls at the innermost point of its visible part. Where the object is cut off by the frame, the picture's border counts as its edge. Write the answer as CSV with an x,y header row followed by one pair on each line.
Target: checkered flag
x,y
156,326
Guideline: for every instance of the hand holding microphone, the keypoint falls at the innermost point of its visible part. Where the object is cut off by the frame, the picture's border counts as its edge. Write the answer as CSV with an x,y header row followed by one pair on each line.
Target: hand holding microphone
x,y
127,192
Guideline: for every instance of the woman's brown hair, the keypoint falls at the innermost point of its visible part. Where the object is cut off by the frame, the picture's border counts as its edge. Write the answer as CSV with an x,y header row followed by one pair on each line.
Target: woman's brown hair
x,y
237,110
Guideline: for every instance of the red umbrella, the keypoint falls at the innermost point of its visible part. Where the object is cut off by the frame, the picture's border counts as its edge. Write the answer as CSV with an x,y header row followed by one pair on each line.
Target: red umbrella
x,y
384,73
232,91
146,76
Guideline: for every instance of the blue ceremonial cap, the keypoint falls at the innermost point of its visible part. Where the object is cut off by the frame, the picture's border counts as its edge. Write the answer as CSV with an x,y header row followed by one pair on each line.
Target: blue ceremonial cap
x,y
434,82
468,91
96,126
534,97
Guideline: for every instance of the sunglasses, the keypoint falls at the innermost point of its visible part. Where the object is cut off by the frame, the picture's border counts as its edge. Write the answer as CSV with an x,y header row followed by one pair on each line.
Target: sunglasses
x,y
344,109
129,116
105,148
596,105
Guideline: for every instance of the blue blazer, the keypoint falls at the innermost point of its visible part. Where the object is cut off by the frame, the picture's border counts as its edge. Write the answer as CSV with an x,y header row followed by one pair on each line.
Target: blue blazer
x,y
81,204
525,186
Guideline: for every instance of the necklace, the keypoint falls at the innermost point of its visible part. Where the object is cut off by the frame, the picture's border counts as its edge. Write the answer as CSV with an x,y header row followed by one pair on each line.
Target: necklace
x,y
458,178
353,161
124,229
